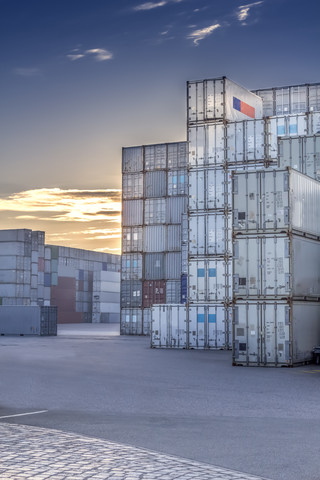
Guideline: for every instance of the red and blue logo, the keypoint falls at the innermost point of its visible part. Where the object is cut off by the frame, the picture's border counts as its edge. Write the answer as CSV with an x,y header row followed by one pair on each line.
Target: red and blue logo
x,y
244,107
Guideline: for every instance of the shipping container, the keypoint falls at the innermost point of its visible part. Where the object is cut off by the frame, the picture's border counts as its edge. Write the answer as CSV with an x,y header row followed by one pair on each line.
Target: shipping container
x,y
132,213
132,239
131,293
184,259
221,99
172,266
177,182
168,326
154,292
177,155
154,266
28,320
284,126
155,238
155,184
208,189
276,200
16,235
209,234
155,211
245,142
174,238
301,153
132,159
176,207
275,333
146,319
184,288
132,266
288,100
155,157
276,266
131,321
210,327
173,291
210,280
207,145
132,185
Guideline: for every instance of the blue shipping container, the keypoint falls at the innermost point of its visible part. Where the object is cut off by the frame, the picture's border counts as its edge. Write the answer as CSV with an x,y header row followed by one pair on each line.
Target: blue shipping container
x,y
184,288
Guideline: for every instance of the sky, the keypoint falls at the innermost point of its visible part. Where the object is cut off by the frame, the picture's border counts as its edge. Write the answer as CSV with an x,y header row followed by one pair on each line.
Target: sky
x,y
80,79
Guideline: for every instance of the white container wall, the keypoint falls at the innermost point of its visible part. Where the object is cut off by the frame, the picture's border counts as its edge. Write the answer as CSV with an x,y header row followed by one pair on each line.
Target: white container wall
x,y
168,326
177,155
275,333
284,126
246,142
302,154
276,266
209,234
207,145
132,185
284,200
220,98
208,189
210,326
132,159
210,280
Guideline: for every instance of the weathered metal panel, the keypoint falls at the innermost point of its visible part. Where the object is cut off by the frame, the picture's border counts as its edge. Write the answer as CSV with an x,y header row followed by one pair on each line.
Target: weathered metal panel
x,y
177,155
132,185
132,213
275,333
132,159
154,292
131,293
184,288
210,326
177,182
131,321
154,266
209,234
174,238
210,280
168,326
176,207
155,184
131,268
155,238
155,211
172,266
155,157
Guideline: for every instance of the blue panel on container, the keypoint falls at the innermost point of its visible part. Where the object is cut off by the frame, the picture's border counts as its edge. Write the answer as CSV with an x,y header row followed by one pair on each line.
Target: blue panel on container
x,y
135,263
128,263
237,104
281,130
212,318
81,274
212,272
293,129
104,266
200,318
184,288
181,178
201,272
47,279
174,179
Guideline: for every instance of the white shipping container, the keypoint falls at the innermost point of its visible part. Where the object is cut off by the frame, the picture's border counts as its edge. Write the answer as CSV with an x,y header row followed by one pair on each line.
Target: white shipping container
x,y
13,248
110,307
275,333
276,200
210,280
16,235
301,153
208,189
210,327
245,142
284,126
207,145
168,326
177,155
221,99
276,266
132,185
209,234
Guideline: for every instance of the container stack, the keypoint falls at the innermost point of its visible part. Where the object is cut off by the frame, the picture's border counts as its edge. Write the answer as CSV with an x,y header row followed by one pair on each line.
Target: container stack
x,y
71,282
276,264
154,199
106,297
226,132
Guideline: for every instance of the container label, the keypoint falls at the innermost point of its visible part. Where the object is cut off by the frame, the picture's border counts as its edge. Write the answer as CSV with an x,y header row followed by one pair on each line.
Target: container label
x,y
244,108
200,318
212,318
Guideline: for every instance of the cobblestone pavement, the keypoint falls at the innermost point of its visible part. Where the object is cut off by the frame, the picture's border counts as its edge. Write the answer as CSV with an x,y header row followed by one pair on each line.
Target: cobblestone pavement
x,y
39,454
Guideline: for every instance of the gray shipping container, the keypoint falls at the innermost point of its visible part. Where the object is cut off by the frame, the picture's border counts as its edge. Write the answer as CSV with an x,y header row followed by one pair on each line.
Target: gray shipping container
x,y
301,153
208,189
132,159
177,155
131,293
209,234
154,266
28,320
132,213
131,321
155,184
277,200
155,157
275,333
168,326
177,182
276,266
132,185
155,238
221,99
16,235
131,268
155,210
210,327
172,266
245,142
176,207
173,291
207,145
132,239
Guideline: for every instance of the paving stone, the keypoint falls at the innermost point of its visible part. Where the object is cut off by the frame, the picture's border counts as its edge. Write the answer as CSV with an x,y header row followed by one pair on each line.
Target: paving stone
x,y
43,454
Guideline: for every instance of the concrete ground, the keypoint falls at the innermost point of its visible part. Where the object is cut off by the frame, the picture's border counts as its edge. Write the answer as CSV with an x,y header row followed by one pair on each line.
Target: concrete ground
x,y
191,404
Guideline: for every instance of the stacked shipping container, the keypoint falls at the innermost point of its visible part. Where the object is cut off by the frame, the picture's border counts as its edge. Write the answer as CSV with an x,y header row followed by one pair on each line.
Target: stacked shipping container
x,y
154,197
276,264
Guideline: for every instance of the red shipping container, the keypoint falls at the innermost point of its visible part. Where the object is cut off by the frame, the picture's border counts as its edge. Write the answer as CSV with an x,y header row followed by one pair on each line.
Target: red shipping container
x,y
153,292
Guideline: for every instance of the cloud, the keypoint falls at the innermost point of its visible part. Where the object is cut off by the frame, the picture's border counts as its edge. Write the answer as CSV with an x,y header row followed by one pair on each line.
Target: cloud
x,y
27,72
99,54
243,10
149,5
198,35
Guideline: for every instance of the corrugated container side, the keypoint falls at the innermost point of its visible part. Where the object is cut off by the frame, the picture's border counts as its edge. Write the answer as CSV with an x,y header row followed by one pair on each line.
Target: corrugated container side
x,y
177,182
132,266
174,238
155,157
20,320
210,327
302,154
173,291
131,293
207,145
132,213
132,185
132,159
155,211
177,155
172,266
154,291
131,321
154,266
155,238
176,207
15,235
155,184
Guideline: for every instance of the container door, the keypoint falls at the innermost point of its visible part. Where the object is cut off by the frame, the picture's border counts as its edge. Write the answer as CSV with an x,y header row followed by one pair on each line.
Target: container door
x,y
215,189
246,327
215,145
156,327
275,263
197,235
246,201
197,190
217,328
247,267
275,333
216,234
197,281
216,280
197,327
274,200
178,335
